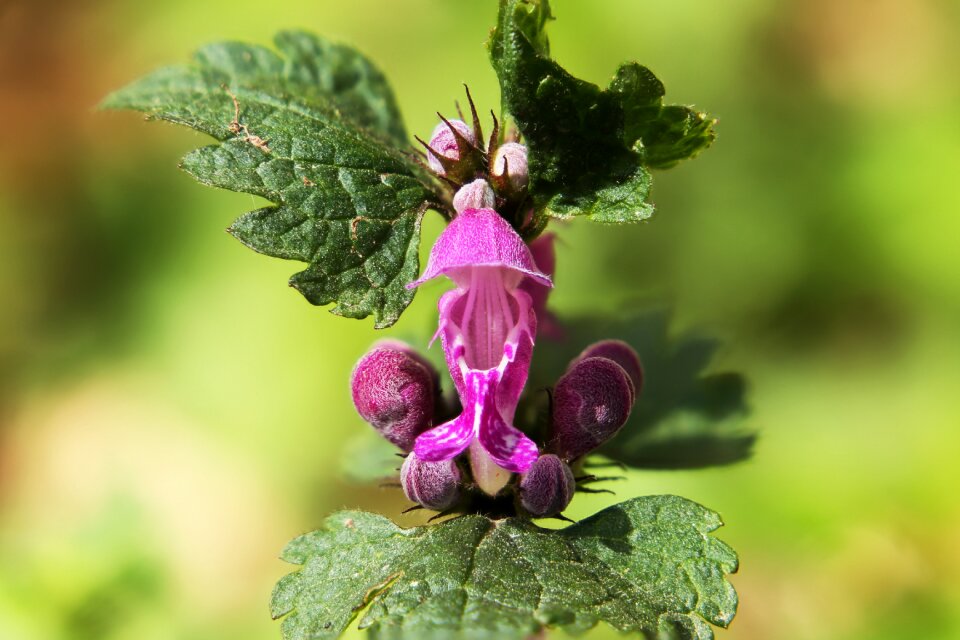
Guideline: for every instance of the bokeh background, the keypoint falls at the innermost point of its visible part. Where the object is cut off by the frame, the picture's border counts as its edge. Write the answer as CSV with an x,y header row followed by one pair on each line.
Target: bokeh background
x,y
171,413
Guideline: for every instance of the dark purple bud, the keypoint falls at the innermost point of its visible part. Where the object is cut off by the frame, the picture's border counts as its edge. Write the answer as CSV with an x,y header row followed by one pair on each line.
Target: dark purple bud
x,y
394,391
621,353
450,139
591,402
510,164
474,195
547,487
434,485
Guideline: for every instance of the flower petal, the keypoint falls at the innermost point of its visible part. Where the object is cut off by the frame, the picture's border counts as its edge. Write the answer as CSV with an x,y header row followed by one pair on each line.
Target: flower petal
x,y
480,238
507,445
446,441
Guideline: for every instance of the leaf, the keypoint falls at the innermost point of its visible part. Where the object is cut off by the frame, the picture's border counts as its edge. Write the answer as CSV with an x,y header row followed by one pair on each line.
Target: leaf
x,y
684,418
345,202
662,134
315,70
645,565
589,148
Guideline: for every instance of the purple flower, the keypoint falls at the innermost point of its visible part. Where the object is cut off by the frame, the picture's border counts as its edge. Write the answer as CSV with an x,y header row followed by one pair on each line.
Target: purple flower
x,y
487,328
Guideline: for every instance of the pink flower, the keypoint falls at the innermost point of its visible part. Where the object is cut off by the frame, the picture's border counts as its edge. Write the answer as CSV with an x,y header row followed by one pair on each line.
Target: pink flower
x,y
487,328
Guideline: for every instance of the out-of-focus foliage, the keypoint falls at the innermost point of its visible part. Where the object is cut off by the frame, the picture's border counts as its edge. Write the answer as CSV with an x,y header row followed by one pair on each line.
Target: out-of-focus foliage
x,y
152,467
685,418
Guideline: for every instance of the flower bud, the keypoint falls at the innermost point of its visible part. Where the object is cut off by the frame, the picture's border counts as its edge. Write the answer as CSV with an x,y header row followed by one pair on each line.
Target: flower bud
x,y
547,487
621,353
400,345
434,485
451,146
510,161
591,402
394,391
474,195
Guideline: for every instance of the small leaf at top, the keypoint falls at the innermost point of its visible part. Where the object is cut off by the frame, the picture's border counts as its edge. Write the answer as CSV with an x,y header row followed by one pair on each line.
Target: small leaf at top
x,y
648,565
306,130
589,148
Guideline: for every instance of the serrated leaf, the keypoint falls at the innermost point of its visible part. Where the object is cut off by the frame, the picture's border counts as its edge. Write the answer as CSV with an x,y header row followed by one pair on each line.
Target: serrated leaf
x,y
345,202
686,417
312,69
646,565
662,134
589,148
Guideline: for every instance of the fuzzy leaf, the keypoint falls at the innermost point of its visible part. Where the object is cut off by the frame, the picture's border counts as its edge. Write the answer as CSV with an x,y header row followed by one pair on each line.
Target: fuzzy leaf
x,y
589,148
646,565
346,203
662,134
316,70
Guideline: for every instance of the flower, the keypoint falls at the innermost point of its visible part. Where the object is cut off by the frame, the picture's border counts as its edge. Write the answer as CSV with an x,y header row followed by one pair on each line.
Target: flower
x,y
487,328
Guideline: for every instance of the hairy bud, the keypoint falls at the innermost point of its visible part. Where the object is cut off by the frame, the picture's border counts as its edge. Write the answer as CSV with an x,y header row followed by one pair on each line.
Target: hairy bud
x,y
621,353
451,140
547,487
394,391
591,402
434,485
510,164
474,195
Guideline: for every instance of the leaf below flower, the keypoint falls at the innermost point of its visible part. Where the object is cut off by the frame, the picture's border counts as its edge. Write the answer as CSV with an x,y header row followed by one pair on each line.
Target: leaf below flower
x,y
646,565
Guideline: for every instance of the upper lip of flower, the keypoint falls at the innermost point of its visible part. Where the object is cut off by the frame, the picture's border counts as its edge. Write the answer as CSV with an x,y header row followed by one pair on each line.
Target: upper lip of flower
x,y
480,238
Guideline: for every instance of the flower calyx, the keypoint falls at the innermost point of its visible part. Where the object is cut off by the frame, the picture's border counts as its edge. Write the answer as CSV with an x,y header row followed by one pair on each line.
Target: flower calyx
x,y
459,156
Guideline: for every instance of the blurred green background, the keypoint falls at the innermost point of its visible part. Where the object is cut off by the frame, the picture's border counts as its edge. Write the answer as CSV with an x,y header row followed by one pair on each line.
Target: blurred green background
x,y
171,413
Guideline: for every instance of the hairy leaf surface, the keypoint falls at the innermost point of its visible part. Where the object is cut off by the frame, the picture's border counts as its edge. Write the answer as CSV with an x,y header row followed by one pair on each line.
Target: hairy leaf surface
x,y
311,137
646,565
590,148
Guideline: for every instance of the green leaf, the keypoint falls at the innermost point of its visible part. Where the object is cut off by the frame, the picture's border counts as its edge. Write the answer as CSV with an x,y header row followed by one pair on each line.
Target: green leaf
x,y
312,69
645,565
589,148
663,135
346,203
686,417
